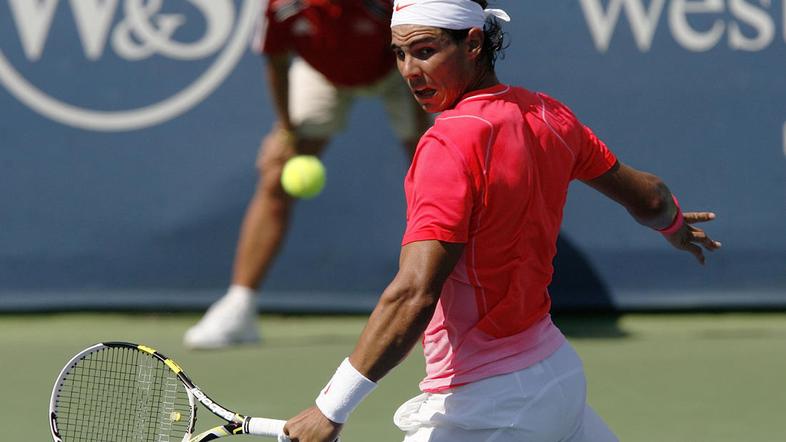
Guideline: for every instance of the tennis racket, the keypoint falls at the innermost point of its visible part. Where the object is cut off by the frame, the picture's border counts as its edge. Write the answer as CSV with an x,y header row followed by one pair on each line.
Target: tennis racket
x,y
119,391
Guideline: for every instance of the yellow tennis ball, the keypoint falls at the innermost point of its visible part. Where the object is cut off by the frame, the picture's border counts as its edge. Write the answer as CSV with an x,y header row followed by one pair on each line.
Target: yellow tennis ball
x,y
303,176
176,416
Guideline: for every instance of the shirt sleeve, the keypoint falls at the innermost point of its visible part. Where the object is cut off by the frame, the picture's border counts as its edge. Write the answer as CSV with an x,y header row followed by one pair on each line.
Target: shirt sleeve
x,y
439,194
593,157
271,35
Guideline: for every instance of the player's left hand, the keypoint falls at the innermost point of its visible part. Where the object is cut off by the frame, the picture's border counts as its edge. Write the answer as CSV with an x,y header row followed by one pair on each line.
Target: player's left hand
x,y
312,426
691,238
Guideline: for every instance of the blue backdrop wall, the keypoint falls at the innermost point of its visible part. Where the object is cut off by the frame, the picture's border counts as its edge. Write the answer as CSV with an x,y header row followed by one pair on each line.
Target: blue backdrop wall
x,y
129,131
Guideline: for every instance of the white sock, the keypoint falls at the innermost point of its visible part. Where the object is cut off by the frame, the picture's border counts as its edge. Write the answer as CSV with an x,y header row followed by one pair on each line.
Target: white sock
x,y
241,294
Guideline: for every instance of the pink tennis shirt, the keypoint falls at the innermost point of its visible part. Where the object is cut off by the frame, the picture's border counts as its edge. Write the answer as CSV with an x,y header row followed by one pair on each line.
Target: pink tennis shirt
x,y
493,173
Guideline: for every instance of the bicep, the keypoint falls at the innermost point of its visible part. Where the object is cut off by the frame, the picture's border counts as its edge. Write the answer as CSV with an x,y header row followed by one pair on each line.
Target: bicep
x,y
425,265
405,307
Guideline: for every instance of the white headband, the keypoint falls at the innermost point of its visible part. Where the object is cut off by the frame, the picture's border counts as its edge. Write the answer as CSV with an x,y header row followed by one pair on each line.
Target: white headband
x,y
446,14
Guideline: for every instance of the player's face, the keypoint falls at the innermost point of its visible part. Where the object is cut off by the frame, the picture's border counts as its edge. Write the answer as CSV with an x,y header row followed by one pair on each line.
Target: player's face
x,y
438,70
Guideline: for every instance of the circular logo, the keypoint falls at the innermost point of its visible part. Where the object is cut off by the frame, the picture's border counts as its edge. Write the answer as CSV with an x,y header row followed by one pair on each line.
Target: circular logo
x,y
219,18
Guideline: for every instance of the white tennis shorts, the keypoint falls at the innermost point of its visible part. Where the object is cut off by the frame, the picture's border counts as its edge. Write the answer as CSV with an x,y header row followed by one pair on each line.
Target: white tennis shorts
x,y
542,403
319,109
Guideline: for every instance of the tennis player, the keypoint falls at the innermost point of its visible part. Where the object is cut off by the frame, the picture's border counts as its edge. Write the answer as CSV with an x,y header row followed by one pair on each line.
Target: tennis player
x,y
321,56
485,195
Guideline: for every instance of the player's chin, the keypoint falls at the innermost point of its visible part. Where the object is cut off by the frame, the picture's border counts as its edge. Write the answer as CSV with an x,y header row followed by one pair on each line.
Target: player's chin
x,y
435,108
431,105
428,99
430,108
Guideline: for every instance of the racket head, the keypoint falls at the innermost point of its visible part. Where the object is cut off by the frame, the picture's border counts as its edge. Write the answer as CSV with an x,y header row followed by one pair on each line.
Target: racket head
x,y
120,391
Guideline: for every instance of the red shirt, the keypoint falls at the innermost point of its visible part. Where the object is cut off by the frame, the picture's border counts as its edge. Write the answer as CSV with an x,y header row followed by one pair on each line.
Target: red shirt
x,y
493,173
347,41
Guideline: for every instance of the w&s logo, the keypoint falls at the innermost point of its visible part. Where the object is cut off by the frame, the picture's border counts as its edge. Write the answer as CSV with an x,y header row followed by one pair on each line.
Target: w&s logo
x,y
135,63
697,26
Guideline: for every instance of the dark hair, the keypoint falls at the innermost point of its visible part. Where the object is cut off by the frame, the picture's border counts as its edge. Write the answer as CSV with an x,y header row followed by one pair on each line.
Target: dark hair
x,y
493,41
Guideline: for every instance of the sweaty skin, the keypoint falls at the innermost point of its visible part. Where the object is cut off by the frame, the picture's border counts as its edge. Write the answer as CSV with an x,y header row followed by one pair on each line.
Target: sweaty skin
x,y
438,71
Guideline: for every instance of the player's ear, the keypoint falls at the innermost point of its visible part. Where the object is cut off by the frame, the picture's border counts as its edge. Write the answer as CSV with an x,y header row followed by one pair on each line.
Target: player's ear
x,y
474,42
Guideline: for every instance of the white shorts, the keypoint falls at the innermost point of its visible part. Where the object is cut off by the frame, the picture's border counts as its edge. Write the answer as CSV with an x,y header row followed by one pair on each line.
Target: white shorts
x,y
319,109
542,403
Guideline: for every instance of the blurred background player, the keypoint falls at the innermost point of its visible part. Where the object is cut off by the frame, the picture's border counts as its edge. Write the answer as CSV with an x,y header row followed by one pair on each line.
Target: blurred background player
x,y
485,196
321,55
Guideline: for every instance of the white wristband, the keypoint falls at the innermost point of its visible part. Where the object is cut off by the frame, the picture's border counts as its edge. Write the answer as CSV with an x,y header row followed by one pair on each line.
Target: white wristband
x,y
346,389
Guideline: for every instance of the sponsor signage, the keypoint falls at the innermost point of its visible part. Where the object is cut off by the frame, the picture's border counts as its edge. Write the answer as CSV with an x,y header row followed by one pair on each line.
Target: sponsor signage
x,y
136,32
133,167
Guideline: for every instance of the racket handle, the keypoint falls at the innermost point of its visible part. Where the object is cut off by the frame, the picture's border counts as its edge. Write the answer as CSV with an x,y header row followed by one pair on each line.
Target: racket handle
x,y
260,426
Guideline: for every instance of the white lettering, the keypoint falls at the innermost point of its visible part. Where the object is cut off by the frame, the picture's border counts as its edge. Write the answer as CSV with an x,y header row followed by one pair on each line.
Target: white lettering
x,y
124,38
151,33
33,19
602,24
214,407
758,19
219,17
142,33
688,37
751,25
93,19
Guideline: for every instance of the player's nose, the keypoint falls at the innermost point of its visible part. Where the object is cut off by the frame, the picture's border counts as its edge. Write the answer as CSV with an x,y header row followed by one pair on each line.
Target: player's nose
x,y
409,69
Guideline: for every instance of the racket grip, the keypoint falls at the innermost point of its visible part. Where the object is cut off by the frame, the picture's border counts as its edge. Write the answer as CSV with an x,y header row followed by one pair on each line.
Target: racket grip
x,y
260,426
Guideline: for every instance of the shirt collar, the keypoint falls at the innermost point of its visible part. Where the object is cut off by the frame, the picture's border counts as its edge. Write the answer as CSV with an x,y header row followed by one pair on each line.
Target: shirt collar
x,y
497,89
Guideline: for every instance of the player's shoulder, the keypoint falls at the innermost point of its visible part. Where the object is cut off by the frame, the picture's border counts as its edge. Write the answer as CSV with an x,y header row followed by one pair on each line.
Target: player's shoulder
x,y
461,124
485,110
282,10
554,110
465,134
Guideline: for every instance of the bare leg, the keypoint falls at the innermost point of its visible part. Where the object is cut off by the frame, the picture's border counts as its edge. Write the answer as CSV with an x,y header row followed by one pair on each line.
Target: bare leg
x,y
267,217
232,319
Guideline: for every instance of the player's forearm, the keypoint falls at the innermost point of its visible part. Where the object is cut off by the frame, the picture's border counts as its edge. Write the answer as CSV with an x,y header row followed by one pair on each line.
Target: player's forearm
x,y
392,330
402,314
644,195
395,326
278,85
655,208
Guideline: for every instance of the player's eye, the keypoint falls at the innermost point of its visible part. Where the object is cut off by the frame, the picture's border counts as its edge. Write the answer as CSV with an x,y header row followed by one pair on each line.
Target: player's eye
x,y
424,52
398,53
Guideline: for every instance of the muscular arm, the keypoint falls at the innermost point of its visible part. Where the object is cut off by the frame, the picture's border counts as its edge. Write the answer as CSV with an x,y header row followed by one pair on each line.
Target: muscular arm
x,y
278,84
649,201
405,307
644,195
399,319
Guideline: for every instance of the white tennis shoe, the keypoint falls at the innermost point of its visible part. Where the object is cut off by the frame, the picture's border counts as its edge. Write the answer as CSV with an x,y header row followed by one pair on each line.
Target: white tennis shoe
x,y
232,320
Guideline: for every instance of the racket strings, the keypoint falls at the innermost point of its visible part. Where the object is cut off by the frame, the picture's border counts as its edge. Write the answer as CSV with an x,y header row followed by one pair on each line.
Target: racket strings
x,y
122,394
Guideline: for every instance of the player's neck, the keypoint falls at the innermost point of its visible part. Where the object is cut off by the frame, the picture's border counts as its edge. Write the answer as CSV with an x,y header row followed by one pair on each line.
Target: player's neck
x,y
485,79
